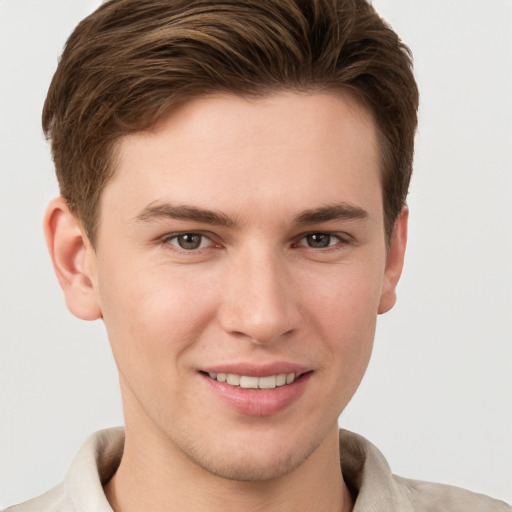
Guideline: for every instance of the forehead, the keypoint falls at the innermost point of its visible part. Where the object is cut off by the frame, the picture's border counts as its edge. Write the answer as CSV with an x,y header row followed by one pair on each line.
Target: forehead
x,y
228,152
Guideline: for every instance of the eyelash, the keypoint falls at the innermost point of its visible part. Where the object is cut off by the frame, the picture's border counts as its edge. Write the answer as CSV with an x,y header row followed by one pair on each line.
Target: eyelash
x,y
168,239
341,239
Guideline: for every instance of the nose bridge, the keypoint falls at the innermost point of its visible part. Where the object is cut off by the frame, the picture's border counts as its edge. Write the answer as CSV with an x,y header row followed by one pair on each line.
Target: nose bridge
x,y
258,300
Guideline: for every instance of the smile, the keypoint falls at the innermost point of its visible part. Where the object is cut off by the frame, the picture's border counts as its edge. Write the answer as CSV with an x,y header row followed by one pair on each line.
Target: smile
x,y
248,382
258,390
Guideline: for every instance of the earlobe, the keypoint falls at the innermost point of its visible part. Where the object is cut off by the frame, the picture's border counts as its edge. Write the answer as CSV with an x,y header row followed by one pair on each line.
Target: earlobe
x,y
395,262
73,259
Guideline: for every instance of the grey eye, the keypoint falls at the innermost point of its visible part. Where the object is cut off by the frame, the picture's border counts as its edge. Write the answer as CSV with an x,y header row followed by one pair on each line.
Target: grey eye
x,y
188,241
320,240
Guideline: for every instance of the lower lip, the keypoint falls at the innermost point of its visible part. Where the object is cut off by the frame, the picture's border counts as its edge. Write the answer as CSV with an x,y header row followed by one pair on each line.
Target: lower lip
x,y
258,402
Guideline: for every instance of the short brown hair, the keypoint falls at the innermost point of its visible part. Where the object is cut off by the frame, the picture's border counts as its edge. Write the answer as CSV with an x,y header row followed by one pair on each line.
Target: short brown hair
x,y
130,62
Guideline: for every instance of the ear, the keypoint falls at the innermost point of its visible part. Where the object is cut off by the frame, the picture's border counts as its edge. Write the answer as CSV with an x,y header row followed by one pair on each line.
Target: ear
x,y
73,259
395,262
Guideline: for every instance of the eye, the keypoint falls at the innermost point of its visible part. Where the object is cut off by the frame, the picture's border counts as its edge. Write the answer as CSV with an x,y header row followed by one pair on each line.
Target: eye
x,y
320,240
189,241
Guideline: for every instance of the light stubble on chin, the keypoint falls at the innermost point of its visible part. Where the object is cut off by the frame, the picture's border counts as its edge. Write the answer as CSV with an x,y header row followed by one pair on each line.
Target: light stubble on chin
x,y
242,466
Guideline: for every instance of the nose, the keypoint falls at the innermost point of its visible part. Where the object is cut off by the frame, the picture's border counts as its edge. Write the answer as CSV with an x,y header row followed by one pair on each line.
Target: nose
x,y
259,302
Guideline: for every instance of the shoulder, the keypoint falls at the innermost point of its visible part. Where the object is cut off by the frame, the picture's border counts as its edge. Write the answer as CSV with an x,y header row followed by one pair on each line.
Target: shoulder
x,y
433,497
376,488
55,500
82,489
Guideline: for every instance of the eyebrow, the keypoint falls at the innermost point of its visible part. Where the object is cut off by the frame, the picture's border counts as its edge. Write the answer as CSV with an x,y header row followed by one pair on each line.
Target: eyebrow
x,y
341,212
155,211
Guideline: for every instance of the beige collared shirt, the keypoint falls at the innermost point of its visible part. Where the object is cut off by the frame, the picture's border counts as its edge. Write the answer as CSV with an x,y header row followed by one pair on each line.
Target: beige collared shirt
x,y
364,468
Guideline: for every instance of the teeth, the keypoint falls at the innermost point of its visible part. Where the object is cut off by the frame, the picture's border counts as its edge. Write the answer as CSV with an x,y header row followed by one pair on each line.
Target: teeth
x,y
267,382
232,379
247,382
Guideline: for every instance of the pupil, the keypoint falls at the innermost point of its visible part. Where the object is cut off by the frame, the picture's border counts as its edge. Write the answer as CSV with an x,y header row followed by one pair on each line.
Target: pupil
x,y
189,241
319,240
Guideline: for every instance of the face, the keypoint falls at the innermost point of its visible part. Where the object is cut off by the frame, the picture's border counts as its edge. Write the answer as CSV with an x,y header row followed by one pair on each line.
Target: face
x,y
240,266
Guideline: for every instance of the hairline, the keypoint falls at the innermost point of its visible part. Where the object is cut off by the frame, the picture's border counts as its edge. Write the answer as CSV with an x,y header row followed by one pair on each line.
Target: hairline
x,y
354,95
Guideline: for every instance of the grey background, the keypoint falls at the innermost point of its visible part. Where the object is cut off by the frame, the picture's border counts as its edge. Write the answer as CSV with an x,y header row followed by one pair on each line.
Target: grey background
x,y
437,396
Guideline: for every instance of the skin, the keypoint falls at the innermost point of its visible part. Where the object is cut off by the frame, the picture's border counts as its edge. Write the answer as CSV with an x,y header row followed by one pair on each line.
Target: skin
x,y
259,289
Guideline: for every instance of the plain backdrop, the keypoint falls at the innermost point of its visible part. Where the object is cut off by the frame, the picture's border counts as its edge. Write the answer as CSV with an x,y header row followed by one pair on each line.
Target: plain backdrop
x,y
437,395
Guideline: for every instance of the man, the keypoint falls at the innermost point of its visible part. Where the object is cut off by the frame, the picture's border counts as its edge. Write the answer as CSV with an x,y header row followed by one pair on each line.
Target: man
x,y
233,182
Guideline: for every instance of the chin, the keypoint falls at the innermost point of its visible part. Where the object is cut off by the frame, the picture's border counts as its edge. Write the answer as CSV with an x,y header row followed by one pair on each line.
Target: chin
x,y
259,458
249,467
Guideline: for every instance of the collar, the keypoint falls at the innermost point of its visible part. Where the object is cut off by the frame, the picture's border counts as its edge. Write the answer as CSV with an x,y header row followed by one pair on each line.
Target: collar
x,y
365,471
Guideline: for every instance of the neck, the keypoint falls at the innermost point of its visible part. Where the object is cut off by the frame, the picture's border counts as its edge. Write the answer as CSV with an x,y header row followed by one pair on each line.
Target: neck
x,y
157,478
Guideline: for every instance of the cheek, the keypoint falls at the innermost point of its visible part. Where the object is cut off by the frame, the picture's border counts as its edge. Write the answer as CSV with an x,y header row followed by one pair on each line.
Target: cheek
x,y
343,312
345,299
153,314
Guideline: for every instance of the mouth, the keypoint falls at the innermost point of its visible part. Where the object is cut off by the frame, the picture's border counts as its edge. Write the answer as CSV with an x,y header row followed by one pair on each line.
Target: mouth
x,y
258,389
265,394
252,382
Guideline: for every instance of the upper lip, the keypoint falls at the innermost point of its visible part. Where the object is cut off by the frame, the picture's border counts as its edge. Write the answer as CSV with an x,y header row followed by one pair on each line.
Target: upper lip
x,y
258,370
